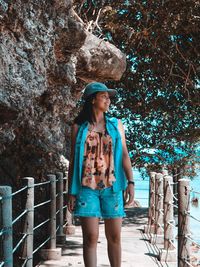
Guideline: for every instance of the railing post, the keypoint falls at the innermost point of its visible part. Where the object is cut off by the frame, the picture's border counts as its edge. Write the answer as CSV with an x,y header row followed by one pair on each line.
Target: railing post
x,y
60,236
183,222
164,172
69,228
52,253
150,228
29,221
6,213
169,252
158,233
66,183
65,195
52,179
176,177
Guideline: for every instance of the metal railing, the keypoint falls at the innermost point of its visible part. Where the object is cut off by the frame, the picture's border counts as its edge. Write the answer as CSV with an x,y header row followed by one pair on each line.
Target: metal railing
x,y
161,220
54,221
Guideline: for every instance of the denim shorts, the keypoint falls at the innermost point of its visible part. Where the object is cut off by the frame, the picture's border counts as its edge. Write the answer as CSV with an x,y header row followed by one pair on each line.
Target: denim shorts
x,y
103,203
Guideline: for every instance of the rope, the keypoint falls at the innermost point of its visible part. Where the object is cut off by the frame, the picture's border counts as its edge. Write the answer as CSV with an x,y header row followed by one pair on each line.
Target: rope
x,y
161,226
41,224
161,211
22,214
188,237
194,217
188,213
171,191
20,241
47,182
173,183
25,262
57,212
20,190
175,206
43,203
188,262
41,245
171,242
160,195
171,224
191,190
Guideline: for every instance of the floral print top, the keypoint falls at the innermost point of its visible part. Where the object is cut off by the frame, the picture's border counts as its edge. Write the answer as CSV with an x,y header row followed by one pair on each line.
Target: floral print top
x,y
98,163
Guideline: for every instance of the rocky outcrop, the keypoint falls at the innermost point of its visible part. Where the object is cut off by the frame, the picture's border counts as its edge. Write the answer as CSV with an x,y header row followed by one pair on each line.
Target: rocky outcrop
x,y
46,56
100,59
45,59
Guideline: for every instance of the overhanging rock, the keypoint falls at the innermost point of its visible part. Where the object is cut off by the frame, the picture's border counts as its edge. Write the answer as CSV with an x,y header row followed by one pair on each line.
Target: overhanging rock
x,y
99,60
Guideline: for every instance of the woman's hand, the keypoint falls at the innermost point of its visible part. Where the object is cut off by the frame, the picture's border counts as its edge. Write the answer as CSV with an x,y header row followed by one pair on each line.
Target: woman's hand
x,y
71,200
129,194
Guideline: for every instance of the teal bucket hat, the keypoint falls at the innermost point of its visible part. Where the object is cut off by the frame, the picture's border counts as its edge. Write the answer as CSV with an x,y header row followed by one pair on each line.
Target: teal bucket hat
x,y
94,87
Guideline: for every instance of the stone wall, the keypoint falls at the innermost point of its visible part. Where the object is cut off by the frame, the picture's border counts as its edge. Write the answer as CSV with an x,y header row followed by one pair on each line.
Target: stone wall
x,y
46,58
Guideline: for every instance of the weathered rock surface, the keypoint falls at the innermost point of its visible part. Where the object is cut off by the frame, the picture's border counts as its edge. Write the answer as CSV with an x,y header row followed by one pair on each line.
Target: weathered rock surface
x,y
43,50
41,77
100,59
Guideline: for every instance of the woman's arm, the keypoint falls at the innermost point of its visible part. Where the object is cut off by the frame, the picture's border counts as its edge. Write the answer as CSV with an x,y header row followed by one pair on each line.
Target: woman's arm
x,y
74,130
129,193
126,159
71,198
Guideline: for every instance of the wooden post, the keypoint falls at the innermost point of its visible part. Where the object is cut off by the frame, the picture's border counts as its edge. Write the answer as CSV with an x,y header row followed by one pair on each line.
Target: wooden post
x,y
6,219
176,177
164,172
29,221
52,179
52,253
168,213
60,236
183,222
66,182
158,238
151,211
168,253
159,203
65,195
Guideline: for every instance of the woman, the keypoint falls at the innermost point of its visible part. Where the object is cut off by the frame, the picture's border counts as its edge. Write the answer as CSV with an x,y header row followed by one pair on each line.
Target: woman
x,y
101,167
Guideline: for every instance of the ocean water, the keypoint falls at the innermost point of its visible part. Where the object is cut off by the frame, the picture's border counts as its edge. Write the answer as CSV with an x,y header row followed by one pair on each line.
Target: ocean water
x,y
142,195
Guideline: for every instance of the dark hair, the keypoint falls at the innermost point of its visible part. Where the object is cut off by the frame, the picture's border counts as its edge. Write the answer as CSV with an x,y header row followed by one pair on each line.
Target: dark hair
x,y
86,114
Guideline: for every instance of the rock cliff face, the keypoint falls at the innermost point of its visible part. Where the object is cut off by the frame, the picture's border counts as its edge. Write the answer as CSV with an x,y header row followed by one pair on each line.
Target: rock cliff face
x,y
46,56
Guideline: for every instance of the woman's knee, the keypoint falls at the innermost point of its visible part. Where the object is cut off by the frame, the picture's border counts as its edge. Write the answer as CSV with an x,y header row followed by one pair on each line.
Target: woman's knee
x,y
113,238
90,239
90,229
113,230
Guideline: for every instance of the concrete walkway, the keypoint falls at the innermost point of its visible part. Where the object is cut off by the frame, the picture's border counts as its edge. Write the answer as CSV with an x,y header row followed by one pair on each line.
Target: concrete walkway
x,y
136,249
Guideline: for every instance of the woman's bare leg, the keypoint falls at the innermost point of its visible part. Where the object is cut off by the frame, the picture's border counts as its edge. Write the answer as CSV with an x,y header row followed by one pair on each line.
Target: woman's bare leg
x,y
113,235
90,230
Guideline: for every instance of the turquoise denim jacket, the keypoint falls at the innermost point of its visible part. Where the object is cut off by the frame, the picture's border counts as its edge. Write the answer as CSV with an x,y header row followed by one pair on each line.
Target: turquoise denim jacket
x,y
112,128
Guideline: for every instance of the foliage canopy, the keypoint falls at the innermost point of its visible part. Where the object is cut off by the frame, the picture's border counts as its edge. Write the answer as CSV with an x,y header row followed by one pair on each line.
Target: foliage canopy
x,y
158,97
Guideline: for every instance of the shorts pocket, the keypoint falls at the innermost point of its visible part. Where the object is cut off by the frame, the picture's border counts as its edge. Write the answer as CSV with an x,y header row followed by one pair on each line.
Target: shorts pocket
x,y
83,201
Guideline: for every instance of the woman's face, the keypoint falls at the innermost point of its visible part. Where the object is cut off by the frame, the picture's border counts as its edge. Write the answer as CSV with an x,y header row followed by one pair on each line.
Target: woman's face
x,y
102,101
